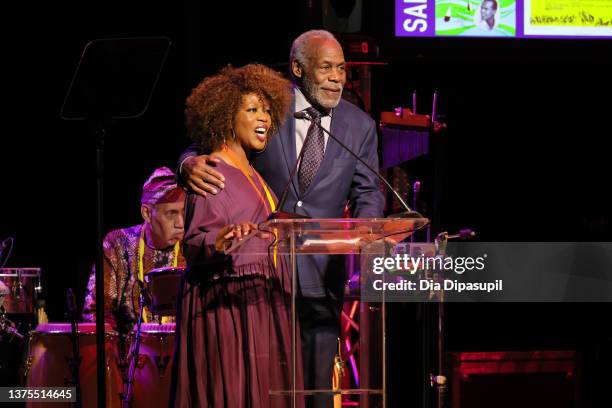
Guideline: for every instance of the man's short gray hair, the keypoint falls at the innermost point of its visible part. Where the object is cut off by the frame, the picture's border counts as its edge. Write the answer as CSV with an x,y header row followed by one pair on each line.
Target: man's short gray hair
x,y
299,48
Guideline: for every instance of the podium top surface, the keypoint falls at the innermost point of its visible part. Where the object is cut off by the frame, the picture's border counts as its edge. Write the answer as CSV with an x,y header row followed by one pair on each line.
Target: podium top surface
x,y
330,235
358,226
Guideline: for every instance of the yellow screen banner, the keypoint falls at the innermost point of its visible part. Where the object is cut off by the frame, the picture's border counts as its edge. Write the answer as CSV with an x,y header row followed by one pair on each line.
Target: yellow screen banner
x,y
576,13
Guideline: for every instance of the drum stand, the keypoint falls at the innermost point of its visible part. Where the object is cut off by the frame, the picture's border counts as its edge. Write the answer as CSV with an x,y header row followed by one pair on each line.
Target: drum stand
x,y
12,345
135,354
8,327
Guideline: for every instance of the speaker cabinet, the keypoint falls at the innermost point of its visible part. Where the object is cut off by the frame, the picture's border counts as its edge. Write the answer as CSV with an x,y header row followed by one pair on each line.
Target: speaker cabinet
x,y
526,379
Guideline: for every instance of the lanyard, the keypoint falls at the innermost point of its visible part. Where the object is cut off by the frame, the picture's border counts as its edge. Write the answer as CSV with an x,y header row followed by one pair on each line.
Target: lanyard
x,y
234,160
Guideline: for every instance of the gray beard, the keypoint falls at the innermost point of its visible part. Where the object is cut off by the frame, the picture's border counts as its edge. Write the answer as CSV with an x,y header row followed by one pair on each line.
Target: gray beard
x,y
313,92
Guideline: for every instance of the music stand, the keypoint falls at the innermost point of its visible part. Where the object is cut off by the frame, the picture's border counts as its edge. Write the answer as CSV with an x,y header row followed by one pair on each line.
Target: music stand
x,y
114,79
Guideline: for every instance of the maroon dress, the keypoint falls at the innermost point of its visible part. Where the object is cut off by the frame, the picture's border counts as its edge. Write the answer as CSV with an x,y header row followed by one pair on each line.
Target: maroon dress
x,y
234,317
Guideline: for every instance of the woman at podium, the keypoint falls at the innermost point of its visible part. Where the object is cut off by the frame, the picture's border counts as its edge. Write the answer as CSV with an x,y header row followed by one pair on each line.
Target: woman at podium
x,y
233,323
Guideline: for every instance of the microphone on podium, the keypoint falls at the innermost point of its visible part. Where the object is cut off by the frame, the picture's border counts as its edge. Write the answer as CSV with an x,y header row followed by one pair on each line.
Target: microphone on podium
x,y
409,213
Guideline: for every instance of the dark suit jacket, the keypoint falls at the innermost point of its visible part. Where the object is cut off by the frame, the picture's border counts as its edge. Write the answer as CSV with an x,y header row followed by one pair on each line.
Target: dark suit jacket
x,y
340,178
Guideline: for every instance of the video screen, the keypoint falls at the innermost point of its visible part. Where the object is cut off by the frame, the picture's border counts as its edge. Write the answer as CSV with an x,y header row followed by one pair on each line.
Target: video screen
x,y
504,18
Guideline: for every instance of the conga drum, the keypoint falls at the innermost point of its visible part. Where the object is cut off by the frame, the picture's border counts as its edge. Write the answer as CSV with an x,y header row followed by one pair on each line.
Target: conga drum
x,y
20,289
151,385
50,352
163,286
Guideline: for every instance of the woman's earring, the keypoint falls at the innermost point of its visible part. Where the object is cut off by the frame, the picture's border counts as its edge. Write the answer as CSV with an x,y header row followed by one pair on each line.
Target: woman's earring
x,y
233,134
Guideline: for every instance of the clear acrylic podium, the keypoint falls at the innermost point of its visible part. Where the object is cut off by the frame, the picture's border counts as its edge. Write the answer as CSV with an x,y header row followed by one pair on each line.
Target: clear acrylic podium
x,y
345,236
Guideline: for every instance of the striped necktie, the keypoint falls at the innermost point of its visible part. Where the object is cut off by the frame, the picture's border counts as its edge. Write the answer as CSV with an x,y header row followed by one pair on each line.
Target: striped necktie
x,y
314,150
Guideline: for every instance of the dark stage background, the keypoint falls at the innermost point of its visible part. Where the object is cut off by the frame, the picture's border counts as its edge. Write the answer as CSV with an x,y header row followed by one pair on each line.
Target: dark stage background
x,y
527,152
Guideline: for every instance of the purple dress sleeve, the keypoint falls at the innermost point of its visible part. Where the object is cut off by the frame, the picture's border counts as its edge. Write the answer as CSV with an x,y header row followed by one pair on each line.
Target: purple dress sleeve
x,y
204,217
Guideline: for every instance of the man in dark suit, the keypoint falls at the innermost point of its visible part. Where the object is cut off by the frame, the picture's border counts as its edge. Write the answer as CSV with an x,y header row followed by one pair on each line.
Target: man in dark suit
x,y
327,178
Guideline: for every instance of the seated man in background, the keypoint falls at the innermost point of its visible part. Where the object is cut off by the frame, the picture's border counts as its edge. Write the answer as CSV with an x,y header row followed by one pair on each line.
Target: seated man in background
x,y
130,253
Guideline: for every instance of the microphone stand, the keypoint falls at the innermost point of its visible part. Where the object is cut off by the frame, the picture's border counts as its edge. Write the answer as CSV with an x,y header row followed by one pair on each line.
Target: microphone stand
x,y
439,380
409,213
98,95
136,352
285,215
75,362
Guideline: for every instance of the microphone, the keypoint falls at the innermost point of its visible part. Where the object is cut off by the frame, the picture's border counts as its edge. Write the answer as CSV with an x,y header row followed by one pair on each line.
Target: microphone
x,y
463,234
71,302
409,213
8,241
144,292
302,115
283,215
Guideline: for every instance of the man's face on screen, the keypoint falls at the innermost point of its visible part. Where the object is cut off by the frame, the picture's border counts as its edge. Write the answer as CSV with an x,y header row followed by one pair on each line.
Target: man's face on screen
x,y
487,10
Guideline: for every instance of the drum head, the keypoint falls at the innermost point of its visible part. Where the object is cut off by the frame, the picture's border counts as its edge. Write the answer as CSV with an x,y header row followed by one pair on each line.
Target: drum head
x,y
163,286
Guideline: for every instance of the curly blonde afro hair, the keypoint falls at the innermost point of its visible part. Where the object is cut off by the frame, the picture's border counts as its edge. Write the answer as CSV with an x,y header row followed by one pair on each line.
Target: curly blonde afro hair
x,y
213,104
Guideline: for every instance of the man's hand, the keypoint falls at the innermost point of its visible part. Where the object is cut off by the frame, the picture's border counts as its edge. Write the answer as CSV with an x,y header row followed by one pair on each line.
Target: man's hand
x,y
200,176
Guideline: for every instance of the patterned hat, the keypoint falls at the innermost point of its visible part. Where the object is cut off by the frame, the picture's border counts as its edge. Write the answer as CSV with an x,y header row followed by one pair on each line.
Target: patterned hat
x,y
161,187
